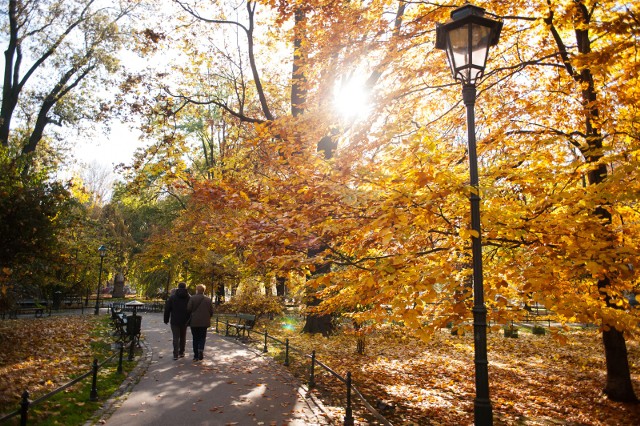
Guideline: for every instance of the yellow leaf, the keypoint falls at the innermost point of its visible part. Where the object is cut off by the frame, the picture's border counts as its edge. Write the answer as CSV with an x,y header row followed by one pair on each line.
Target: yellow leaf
x,y
468,233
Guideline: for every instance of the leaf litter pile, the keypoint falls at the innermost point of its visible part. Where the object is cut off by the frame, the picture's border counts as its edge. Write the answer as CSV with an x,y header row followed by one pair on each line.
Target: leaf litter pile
x,y
42,354
534,380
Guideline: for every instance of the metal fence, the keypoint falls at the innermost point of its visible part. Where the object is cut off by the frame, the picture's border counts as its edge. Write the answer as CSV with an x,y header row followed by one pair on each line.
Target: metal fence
x,y
26,404
347,380
42,308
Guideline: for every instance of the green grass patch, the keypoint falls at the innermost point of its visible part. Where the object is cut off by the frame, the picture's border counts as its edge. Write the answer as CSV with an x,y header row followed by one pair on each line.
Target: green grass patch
x,y
73,405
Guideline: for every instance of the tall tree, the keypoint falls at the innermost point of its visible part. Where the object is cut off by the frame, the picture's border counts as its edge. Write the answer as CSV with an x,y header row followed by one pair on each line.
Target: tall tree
x,y
48,237
575,72
55,49
544,149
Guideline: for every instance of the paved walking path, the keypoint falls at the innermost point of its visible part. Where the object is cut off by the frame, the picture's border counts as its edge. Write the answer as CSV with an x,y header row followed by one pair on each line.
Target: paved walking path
x,y
234,385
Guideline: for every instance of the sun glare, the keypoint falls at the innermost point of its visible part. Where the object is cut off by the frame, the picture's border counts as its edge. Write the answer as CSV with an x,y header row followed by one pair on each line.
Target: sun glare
x,y
351,99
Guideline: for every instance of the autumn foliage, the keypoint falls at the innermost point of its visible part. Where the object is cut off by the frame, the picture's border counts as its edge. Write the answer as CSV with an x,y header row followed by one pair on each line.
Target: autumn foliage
x,y
382,196
390,206
259,176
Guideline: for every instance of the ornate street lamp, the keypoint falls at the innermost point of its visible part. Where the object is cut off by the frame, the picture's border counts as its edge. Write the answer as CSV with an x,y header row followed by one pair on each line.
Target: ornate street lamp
x,y
103,251
466,38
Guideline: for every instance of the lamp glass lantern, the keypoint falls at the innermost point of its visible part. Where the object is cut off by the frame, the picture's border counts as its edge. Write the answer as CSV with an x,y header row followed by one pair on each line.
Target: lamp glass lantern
x,y
466,38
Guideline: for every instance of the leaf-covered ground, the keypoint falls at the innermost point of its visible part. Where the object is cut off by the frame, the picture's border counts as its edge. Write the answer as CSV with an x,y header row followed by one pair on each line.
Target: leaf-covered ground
x,y
41,354
534,380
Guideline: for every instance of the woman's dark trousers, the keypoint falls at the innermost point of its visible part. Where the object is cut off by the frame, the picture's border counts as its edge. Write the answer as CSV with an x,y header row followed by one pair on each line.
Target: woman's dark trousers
x,y
199,337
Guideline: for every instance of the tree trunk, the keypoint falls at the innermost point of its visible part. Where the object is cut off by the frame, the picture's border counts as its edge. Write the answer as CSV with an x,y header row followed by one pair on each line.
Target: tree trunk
x,y
361,345
118,286
298,79
315,323
619,387
219,293
318,324
11,88
281,286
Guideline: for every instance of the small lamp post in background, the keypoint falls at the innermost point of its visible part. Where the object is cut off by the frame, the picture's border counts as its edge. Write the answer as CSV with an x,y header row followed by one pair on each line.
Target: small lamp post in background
x,y
466,38
103,251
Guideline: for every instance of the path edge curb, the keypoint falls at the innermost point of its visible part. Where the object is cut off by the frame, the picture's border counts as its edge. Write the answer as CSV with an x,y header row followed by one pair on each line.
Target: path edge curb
x,y
113,402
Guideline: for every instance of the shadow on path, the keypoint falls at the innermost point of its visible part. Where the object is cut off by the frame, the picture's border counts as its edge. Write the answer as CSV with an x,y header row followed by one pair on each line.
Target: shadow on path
x,y
234,385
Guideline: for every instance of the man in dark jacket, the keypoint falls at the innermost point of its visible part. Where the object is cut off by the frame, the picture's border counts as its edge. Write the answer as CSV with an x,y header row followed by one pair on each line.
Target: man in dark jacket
x,y
176,309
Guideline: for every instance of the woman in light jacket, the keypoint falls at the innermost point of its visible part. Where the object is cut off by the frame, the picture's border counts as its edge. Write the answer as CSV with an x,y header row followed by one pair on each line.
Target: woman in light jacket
x,y
201,310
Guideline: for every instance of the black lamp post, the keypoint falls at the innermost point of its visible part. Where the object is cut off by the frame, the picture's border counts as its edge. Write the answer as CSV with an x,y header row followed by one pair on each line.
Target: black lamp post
x,y
466,39
103,251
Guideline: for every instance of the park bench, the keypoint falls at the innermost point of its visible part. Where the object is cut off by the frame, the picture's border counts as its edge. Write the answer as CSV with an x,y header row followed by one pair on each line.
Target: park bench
x,y
125,326
72,302
538,314
244,323
28,306
119,321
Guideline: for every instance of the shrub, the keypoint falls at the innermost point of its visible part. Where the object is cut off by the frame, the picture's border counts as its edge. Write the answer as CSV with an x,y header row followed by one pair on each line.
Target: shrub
x,y
255,303
511,331
540,331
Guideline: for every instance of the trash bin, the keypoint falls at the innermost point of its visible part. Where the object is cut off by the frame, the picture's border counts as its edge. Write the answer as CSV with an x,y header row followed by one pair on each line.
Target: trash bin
x,y
134,325
57,299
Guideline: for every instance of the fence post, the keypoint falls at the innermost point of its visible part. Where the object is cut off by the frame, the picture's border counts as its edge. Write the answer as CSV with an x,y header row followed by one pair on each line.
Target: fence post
x,y
264,349
120,358
133,341
216,324
286,352
348,417
93,396
24,408
312,381
226,332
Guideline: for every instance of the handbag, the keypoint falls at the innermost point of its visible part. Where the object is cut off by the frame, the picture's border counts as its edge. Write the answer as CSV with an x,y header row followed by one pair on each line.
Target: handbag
x,y
191,314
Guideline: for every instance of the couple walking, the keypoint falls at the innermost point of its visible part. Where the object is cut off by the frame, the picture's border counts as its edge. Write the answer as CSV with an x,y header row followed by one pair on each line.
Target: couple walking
x,y
185,311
